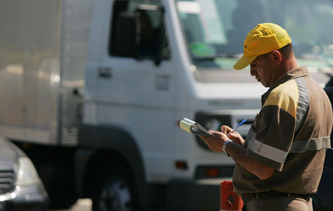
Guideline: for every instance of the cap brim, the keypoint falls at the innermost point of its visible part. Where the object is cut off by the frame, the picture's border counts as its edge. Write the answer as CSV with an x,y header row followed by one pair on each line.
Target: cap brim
x,y
243,62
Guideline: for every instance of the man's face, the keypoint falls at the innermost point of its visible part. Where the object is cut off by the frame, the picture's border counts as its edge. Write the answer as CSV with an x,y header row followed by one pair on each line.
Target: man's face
x,y
263,70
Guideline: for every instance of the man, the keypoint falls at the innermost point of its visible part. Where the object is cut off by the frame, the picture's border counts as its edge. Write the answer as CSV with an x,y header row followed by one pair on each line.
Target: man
x,y
281,161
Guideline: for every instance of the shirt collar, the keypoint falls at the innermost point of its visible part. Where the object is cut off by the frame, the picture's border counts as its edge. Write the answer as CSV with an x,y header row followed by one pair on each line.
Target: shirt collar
x,y
294,73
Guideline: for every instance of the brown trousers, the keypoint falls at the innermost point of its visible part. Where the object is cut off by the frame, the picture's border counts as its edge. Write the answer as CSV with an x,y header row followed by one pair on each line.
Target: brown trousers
x,y
279,204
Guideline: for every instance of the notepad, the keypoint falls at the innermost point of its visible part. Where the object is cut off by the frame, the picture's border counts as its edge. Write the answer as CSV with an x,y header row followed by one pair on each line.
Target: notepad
x,y
193,127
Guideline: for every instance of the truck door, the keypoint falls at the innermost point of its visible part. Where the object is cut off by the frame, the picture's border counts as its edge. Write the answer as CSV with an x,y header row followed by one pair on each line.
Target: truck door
x,y
136,80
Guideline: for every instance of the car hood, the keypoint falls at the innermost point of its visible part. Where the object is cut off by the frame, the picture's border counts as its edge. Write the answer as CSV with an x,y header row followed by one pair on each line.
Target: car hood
x,y
9,153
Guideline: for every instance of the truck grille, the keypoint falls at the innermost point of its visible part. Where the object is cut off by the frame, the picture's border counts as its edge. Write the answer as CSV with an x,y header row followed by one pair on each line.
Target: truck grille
x,y
7,178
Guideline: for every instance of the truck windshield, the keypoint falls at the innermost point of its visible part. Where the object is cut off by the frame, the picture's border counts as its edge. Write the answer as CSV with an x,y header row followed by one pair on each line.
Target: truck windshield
x,y
215,29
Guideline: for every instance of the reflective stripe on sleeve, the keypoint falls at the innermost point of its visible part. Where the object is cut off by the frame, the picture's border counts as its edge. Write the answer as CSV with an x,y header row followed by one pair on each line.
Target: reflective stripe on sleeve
x,y
280,156
312,144
267,151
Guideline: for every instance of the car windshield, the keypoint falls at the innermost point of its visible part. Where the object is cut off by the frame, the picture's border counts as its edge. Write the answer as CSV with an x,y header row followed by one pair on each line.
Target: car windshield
x,y
215,29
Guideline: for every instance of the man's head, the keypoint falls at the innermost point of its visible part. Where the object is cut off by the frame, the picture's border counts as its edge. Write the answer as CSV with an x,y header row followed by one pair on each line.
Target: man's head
x,y
269,67
263,39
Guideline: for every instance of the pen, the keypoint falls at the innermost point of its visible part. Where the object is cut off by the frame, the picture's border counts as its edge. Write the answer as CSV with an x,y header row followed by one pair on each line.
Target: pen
x,y
238,125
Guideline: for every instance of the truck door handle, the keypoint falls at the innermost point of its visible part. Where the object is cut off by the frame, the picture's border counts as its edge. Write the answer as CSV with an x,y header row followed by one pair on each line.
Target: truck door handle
x,y
104,72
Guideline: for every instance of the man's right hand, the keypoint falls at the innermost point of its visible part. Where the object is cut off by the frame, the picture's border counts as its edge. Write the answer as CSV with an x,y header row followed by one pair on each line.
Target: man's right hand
x,y
232,135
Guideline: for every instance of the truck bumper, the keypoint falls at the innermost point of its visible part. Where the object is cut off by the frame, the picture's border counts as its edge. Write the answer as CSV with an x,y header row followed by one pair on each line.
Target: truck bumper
x,y
195,195
27,198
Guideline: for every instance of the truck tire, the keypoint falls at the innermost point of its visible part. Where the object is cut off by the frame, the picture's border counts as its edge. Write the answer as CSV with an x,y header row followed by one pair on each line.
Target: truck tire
x,y
116,190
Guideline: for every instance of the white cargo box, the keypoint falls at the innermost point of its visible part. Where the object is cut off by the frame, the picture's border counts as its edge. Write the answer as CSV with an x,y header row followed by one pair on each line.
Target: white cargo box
x,y
43,53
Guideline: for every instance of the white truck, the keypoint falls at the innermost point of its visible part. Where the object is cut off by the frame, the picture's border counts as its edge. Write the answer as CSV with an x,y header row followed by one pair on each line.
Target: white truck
x,y
92,91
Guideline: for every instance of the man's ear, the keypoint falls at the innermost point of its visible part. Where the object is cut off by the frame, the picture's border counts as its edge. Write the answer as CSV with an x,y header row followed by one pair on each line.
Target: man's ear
x,y
276,56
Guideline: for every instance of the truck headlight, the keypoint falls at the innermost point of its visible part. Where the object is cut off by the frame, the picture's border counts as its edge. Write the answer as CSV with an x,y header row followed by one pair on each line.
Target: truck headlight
x,y
27,173
213,124
211,121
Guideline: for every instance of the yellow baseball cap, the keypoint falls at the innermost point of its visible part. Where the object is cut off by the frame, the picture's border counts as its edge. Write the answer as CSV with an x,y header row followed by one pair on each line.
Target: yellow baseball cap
x,y
263,39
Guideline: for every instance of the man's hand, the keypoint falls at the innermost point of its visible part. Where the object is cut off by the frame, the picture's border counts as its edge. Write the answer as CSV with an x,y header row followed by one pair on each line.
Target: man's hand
x,y
216,141
232,135
237,152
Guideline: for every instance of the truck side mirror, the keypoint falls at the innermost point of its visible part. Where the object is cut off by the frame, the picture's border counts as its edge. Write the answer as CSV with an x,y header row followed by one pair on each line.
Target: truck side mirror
x,y
151,32
140,34
126,35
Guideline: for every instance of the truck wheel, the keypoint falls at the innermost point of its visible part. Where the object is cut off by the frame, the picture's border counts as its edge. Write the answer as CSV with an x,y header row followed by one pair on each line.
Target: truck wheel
x,y
115,194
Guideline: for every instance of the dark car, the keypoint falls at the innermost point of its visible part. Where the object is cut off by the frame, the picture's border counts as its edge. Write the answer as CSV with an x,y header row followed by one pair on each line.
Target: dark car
x,y
323,199
20,186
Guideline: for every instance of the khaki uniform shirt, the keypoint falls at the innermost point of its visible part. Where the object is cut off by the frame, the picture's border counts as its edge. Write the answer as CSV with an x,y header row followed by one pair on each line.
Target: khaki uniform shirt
x,y
291,134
